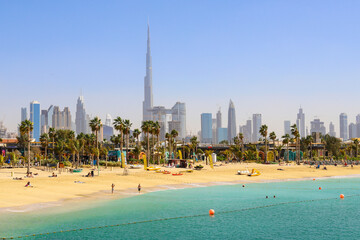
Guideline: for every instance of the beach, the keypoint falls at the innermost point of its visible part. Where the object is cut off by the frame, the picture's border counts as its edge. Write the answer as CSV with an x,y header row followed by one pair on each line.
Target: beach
x,y
73,186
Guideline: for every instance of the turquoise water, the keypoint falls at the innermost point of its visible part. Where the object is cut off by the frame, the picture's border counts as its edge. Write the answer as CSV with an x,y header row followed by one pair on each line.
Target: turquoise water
x,y
299,211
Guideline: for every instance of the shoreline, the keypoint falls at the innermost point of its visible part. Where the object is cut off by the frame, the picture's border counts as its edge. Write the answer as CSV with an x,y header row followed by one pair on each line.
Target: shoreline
x,y
95,198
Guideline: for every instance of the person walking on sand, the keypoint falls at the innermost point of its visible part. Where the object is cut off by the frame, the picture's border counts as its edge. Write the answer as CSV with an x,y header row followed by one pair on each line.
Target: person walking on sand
x,y
112,188
139,188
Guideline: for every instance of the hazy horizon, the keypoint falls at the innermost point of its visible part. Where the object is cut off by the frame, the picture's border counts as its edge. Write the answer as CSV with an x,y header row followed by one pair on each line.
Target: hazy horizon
x,y
268,57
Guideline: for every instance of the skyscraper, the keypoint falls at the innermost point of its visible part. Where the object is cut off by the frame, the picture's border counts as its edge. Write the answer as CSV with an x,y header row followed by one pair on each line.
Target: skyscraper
x,y
352,130
148,97
218,119
358,126
246,131
256,126
206,127
50,113
35,118
231,122
23,114
332,130
108,121
300,122
178,114
81,119
343,126
44,121
317,127
287,128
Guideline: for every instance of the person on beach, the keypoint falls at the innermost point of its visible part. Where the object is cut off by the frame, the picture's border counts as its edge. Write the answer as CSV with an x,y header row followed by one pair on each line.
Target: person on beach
x,y
139,188
112,188
28,184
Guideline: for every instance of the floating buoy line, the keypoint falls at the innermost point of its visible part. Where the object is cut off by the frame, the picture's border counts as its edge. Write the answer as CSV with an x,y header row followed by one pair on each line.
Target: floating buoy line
x,y
174,218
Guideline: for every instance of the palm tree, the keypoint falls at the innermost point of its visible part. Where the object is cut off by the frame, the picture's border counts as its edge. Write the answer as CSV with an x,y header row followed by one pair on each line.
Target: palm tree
x,y
296,134
241,138
264,132
126,131
26,128
194,142
95,125
173,135
136,134
156,131
356,143
146,129
52,133
272,136
309,139
44,139
119,125
286,140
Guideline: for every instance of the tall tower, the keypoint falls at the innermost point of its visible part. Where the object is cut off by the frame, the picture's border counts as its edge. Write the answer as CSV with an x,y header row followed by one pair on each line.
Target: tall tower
x,y
231,122
148,97
256,126
300,122
343,126
35,118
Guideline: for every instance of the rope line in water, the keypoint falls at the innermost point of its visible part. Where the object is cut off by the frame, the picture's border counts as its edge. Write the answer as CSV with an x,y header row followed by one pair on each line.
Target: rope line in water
x,y
173,218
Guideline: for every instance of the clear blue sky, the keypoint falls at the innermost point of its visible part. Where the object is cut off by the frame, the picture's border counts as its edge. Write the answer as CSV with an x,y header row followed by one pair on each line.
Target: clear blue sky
x,y
269,57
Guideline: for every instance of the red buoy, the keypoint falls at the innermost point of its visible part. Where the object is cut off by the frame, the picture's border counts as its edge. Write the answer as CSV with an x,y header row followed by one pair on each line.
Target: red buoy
x,y
211,212
342,196
319,188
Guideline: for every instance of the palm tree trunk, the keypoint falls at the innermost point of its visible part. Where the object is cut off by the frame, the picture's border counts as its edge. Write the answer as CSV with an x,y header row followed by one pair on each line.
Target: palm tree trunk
x,y
158,156
28,167
127,148
97,152
265,150
148,149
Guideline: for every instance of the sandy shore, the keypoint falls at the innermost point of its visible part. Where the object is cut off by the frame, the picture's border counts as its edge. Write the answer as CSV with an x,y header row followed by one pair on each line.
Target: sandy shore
x,y
46,189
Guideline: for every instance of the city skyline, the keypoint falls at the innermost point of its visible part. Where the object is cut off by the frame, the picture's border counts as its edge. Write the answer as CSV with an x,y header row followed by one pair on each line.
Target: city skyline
x,y
59,62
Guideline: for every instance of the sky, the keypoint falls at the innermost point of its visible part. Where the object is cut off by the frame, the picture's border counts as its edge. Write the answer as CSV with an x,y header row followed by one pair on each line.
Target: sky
x,y
269,57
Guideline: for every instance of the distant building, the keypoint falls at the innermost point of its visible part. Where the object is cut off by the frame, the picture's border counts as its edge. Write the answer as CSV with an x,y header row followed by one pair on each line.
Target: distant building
x,y
175,125
231,122
222,134
257,122
300,122
214,131
178,114
50,113
343,126
206,127
163,116
35,118
44,121
23,114
108,121
218,119
317,127
246,131
352,131
108,131
82,119
287,127
332,130
2,130
358,126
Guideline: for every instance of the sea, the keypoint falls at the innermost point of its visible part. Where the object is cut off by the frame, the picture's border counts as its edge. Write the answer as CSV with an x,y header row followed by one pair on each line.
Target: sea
x,y
307,209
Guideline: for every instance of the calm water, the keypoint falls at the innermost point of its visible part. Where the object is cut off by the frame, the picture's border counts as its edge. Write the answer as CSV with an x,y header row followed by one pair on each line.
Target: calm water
x,y
240,213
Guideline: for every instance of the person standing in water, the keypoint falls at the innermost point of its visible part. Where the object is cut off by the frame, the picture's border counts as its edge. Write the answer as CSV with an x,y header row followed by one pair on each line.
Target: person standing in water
x,y
112,188
139,188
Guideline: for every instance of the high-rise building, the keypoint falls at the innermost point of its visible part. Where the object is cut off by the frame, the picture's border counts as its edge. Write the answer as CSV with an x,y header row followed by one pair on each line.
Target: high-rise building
x,y
300,122
81,119
108,131
218,119
221,134
178,114
50,113
108,120
206,127
343,126
3,130
35,118
231,122
44,121
214,131
332,130
256,126
317,127
163,116
148,97
287,127
352,131
246,131
23,114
